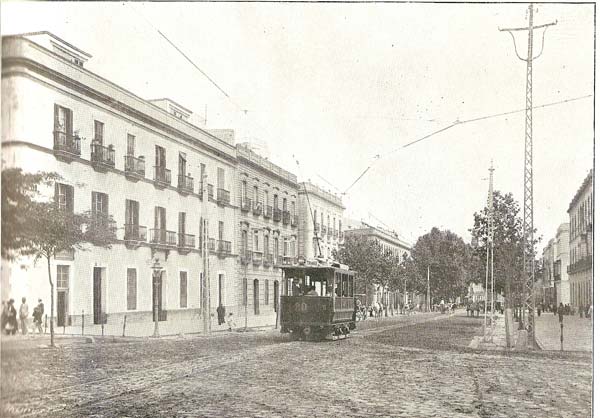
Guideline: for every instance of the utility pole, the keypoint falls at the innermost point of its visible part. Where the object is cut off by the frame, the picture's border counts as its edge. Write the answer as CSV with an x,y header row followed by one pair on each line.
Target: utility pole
x,y
528,239
428,292
489,265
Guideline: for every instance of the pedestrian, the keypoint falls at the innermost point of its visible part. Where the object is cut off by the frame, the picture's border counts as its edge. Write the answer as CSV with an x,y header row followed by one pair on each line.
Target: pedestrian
x,y
230,321
221,314
24,315
561,312
11,318
40,315
539,310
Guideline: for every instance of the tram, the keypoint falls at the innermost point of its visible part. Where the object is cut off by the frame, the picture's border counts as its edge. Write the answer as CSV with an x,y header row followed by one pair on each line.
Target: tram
x,y
317,302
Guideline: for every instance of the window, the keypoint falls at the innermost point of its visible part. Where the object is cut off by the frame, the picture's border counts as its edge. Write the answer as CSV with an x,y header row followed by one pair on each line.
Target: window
x,y
98,132
245,291
160,156
132,212
221,230
130,144
182,164
63,120
285,247
266,244
220,178
275,202
63,196
293,208
62,277
275,247
256,195
340,227
322,223
183,289
131,289
181,223
244,243
266,201
284,203
244,191
256,248
266,292
99,206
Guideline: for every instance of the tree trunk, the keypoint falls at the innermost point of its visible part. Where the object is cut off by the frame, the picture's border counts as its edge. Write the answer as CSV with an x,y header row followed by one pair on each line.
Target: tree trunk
x,y
51,303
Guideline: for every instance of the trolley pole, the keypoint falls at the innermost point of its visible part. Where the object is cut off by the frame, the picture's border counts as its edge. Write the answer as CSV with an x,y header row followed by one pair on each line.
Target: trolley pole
x,y
528,302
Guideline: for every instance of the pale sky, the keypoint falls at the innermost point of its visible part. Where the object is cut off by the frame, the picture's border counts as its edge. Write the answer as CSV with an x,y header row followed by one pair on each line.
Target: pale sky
x,y
336,84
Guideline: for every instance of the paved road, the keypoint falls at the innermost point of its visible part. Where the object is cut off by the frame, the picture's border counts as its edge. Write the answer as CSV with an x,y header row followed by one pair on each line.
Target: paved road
x,y
265,375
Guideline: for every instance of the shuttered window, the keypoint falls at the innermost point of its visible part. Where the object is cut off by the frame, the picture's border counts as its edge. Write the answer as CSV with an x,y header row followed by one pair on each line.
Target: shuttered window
x,y
131,289
63,196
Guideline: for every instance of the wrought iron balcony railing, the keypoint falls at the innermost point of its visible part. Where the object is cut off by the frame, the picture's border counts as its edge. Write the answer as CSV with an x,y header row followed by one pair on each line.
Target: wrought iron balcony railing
x,y
245,256
163,237
102,155
185,184
136,166
67,143
276,214
288,260
223,247
186,241
245,204
268,212
267,260
581,265
135,233
257,208
162,176
256,257
223,196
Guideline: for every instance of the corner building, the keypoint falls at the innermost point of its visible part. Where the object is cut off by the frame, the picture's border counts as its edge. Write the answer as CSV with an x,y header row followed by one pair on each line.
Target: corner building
x,y
141,162
581,243
320,222
267,231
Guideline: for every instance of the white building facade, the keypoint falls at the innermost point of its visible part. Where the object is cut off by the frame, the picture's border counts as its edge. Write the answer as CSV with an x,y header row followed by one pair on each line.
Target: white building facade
x,y
321,226
157,175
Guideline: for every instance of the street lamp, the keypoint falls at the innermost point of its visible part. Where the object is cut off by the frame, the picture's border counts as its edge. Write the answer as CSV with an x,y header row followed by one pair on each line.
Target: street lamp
x,y
156,272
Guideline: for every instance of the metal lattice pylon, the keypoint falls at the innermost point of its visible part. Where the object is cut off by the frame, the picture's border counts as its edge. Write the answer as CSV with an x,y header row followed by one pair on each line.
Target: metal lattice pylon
x,y
527,297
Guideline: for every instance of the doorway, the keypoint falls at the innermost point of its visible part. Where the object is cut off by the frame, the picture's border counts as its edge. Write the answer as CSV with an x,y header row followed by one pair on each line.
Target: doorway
x,y
99,295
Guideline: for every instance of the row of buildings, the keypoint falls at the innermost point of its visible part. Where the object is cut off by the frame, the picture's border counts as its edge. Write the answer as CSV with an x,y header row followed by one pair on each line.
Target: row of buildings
x,y
187,201
567,258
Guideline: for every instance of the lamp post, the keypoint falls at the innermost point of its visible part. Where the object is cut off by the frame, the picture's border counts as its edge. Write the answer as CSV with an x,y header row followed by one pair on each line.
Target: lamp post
x,y
156,272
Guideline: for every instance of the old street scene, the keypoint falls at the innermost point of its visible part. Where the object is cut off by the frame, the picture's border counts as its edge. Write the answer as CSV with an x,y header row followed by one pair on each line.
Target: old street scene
x,y
297,209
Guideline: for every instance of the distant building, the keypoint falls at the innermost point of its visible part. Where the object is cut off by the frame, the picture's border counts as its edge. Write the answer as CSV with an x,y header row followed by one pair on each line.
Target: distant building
x,y
320,216
267,233
560,274
548,291
581,243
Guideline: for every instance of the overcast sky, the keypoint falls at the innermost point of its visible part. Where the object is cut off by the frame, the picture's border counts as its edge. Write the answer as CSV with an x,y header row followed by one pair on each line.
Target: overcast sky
x,y
336,84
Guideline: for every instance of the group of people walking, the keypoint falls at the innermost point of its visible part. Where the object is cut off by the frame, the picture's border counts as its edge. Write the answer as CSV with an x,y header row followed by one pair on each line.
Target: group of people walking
x,y
12,320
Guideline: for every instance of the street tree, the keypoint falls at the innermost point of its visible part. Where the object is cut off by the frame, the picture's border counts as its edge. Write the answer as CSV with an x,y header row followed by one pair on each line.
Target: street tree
x,y
446,255
43,228
508,245
363,256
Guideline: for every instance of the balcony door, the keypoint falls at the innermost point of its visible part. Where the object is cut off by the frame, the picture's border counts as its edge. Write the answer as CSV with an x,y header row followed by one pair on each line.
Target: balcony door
x,y
220,178
99,294
182,164
161,157
132,213
160,223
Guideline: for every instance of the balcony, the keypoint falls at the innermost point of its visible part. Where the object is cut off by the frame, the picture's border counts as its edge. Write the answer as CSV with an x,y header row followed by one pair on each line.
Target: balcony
x,y
102,157
163,238
223,247
276,214
256,258
286,217
135,168
211,191
245,204
222,197
185,184
268,212
581,265
257,209
162,176
66,146
294,221
278,260
186,241
268,260
245,257
288,260
135,233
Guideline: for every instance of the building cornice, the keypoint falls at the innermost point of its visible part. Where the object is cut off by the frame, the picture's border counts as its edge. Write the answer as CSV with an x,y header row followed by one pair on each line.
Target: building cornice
x,y
19,51
584,185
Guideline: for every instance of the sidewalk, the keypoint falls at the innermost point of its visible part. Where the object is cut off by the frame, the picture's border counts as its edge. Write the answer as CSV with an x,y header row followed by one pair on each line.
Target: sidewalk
x,y
577,332
497,339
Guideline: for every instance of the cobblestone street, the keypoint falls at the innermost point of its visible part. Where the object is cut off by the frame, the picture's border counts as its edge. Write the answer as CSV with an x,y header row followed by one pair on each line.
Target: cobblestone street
x,y
408,366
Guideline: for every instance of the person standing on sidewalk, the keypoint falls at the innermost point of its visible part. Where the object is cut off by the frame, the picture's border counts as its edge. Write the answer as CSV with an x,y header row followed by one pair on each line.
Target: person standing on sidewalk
x,y
561,312
24,315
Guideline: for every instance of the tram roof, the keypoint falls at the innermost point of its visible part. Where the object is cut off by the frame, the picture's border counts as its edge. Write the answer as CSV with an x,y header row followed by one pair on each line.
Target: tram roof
x,y
321,269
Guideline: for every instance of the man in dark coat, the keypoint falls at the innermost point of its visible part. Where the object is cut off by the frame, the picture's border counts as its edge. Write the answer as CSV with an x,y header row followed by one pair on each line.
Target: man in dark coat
x,y
221,314
561,312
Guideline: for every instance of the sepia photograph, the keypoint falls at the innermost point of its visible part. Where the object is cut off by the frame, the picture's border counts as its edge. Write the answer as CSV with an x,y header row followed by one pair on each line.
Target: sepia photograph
x,y
297,209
